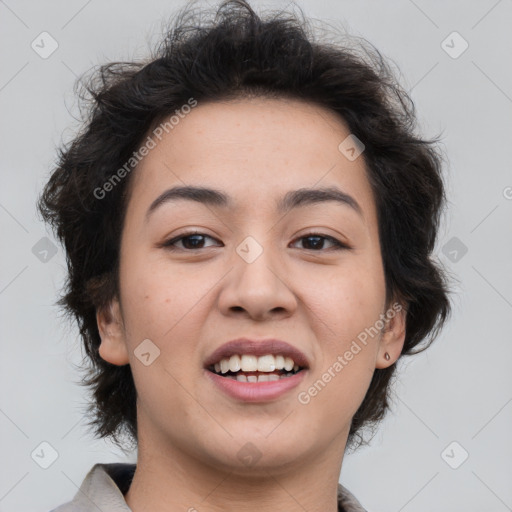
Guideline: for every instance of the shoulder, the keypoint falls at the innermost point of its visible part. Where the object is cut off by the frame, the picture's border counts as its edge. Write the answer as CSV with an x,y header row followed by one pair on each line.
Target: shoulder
x,y
347,502
103,488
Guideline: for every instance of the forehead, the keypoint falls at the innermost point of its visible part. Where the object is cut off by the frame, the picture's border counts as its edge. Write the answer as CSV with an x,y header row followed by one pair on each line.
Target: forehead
x,y
256,150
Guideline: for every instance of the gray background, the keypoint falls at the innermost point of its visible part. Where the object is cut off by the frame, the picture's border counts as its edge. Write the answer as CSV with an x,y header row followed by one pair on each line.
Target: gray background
x,y
459,390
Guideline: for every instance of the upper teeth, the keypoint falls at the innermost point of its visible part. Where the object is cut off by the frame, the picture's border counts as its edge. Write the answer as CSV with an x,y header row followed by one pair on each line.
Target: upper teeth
x,y
249,363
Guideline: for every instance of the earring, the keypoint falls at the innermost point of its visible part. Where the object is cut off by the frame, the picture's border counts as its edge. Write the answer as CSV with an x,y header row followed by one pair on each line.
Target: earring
x,y
386,356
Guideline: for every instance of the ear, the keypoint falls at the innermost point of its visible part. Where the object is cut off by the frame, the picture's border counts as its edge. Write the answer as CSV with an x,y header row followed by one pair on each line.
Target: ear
x,y
110,326
393,336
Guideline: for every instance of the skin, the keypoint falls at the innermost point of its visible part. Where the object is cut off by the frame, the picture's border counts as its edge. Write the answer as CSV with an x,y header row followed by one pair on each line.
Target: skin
x,y
189,303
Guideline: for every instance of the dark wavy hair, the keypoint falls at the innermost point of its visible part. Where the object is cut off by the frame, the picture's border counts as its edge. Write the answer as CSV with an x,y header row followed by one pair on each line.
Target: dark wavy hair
x,y
235,54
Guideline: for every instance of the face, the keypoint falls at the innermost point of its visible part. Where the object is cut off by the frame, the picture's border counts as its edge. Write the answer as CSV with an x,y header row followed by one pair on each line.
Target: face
x,y
310,275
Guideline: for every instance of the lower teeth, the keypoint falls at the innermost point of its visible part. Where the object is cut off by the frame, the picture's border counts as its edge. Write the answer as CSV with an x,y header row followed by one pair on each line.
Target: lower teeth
x,y
259,378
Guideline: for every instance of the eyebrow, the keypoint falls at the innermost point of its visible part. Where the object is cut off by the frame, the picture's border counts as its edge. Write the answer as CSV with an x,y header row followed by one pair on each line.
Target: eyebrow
x,y
292,199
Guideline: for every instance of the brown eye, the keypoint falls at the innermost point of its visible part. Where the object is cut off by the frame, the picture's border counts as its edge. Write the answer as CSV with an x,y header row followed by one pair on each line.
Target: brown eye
x,y
316,242
189,241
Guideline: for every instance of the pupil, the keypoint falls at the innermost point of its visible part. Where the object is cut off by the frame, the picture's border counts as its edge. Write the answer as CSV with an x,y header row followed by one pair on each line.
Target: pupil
x,y
194,245
319,241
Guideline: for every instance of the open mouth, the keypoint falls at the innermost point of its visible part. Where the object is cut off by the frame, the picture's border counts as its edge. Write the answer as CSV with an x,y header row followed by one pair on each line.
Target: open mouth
x,y
252,369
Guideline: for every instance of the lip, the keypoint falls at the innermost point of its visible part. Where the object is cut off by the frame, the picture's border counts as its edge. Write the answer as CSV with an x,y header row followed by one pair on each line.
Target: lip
x,y
256,391
248,346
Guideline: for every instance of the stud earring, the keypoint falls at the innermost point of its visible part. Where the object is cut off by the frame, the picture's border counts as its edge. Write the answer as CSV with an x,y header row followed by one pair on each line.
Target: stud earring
x,y
386,356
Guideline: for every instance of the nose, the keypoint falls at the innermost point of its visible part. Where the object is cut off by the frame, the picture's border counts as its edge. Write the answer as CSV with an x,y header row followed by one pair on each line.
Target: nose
x,y
260,289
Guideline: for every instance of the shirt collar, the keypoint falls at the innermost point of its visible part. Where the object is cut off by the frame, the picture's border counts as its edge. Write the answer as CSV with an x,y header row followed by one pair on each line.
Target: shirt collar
x,y
105,485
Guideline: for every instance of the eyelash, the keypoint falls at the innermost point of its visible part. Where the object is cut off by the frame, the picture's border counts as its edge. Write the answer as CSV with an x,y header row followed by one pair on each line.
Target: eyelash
x,y
170,243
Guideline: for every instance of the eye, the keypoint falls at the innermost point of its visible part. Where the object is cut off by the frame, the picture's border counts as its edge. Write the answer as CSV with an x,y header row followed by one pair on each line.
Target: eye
x,y
190,241
315,241
195,240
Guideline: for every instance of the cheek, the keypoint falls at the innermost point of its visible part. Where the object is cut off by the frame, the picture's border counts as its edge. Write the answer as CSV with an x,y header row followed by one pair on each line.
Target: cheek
x,y
165,306
160,297
344,301
349,305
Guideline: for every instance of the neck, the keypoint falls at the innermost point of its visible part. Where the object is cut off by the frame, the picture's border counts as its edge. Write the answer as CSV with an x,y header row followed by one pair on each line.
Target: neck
x,y
168,480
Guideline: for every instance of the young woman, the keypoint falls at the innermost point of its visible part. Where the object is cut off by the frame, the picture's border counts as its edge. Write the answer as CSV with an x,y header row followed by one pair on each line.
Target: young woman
x,y
249,220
